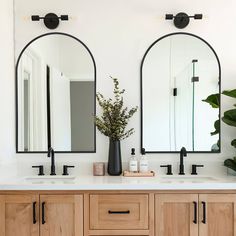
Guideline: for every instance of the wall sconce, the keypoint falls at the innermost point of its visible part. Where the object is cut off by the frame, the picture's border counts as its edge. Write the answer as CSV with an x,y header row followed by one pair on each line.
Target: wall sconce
x,y
51,20
181,20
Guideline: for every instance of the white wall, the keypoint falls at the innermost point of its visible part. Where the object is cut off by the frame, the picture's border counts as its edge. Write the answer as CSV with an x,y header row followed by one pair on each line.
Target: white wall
x,y
118,33
7,83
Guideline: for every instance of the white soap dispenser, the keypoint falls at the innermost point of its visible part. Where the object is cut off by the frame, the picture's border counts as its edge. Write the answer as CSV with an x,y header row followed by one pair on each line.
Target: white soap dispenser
x,y
143,163
133,163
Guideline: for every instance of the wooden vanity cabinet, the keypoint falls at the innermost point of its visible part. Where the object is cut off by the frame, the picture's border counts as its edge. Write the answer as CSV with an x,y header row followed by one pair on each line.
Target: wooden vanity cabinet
x,y
17,215
41,215
195,214
217,215
61,215
176,214
120,213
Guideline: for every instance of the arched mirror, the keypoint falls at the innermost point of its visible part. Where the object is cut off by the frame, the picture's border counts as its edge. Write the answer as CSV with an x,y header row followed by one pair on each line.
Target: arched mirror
x,y
180,95
55,95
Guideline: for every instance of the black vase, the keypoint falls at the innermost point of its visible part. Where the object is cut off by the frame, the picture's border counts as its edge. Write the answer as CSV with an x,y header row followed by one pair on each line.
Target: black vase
x,y
114,159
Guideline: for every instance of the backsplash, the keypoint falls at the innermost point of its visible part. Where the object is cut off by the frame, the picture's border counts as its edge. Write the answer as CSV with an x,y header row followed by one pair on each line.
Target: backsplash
x,y
23,167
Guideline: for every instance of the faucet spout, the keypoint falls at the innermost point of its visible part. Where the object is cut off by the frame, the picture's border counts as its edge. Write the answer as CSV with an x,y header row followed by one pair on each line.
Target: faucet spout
x,y
51,154
183,153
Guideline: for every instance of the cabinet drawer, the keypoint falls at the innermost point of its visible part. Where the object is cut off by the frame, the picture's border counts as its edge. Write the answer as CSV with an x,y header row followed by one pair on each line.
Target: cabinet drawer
x,y
119,211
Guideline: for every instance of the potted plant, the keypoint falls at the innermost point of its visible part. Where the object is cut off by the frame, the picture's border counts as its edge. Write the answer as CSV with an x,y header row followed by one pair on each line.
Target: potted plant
x,y
113,123
230,119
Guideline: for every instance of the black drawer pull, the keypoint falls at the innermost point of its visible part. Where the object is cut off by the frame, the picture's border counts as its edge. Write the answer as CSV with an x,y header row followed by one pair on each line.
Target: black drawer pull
x,y
195,213
118,212
34,213
204,212
43,213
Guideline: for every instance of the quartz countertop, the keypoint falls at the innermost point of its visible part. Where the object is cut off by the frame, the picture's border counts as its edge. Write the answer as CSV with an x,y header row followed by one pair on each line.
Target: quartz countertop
x,y
120,183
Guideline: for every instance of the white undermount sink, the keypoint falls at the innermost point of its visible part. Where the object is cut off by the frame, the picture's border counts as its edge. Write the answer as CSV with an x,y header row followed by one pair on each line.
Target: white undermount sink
x,y
179,178
49,178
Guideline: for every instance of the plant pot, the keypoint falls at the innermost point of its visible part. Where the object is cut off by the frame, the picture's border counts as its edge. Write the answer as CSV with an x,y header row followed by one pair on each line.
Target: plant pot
x,y
114,166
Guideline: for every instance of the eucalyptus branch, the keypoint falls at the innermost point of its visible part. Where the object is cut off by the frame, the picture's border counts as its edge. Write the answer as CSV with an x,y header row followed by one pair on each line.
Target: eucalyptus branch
x,y
115,116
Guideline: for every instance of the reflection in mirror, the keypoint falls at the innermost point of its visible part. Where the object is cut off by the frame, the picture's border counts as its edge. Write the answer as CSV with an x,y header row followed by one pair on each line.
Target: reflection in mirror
x,y
26,110
178,72
56,95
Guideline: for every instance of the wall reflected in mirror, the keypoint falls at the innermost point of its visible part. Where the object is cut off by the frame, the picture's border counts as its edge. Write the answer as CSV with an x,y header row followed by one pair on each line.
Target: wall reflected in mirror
x,y
56,96
178,72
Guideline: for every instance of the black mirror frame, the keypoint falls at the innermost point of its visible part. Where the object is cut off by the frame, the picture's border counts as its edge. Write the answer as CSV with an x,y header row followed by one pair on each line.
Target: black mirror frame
x,y
16,92
141,90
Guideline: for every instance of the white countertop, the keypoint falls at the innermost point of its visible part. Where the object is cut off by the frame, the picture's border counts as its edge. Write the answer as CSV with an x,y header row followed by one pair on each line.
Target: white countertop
x,y
122,183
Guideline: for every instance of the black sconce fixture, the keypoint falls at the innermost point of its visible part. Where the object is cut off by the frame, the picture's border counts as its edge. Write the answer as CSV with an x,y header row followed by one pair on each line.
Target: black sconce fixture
x,y
181,20
51,20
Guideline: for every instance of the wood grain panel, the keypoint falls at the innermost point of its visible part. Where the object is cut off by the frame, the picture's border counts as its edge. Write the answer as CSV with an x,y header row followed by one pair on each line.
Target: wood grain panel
x,y
63,215
119,232
174,215
136,205
16,215
220,215
78,192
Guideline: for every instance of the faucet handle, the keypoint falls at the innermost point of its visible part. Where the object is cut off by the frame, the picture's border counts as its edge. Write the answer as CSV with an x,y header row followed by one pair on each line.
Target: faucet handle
x,y
169,169
183,151
194,169
40,169
65,169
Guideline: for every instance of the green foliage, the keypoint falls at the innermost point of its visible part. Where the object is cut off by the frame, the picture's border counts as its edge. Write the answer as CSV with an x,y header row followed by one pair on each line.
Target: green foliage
x,y
229,118
233,143
115,116
213,100
230,163
230,93
217,127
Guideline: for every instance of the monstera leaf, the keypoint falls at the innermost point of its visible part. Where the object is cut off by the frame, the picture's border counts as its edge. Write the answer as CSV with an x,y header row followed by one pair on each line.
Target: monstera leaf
x,y
217,128
233,143
213,100
230,117
230,93
230,163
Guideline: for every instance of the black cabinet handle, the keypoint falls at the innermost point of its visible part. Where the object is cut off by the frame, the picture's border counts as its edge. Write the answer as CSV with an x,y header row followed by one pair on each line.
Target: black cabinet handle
x,y
195,213
34,213
204,212
43,213
118,212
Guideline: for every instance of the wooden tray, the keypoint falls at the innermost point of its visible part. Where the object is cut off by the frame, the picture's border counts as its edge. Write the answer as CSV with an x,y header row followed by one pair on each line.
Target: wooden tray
x,y
139,174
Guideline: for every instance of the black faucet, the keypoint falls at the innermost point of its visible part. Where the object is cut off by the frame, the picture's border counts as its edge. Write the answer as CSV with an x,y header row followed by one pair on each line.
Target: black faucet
x,y
183,153
51,154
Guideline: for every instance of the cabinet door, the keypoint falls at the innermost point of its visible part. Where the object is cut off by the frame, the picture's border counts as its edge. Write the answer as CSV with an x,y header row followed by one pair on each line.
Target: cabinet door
x,y
176,214
19,215
61,215
217,215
